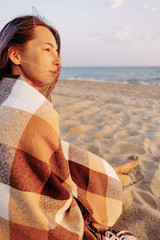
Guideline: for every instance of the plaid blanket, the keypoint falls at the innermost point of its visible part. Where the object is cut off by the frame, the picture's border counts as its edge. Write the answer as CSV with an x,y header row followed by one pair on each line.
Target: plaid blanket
x,y
48,189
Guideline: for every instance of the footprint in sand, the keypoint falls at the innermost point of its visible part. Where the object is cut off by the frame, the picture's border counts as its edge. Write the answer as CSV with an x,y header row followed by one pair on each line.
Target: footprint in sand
x,y
125,147
106,132
155,149
125,133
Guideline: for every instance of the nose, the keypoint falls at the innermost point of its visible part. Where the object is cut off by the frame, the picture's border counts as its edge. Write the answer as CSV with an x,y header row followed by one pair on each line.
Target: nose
x,y
56,60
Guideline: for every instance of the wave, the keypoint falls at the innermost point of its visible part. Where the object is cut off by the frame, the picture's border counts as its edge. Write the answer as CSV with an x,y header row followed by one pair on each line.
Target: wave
x,y
139,75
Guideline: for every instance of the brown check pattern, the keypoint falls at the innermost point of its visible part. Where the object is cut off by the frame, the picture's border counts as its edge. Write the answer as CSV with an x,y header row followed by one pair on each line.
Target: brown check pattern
x,y
44,182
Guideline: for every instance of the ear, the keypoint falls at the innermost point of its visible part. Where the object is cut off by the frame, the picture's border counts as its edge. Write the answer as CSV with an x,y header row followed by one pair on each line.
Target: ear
x,y
14,55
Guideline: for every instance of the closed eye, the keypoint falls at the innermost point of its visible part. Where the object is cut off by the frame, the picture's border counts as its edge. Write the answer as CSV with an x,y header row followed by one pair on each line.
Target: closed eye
x,y
47,49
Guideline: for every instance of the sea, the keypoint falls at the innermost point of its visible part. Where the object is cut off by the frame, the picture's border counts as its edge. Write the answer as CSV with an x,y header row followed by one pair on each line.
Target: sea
x,y
141,75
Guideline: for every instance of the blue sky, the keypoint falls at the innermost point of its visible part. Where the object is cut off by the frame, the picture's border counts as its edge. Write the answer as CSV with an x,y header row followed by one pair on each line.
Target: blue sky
x,y
98,32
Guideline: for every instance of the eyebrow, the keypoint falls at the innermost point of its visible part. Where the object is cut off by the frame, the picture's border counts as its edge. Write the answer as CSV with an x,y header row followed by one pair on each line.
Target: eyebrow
x,y
49,44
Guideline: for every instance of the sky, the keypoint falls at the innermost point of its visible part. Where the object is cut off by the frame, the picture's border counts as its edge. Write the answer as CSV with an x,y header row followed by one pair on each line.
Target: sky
x,y
98,32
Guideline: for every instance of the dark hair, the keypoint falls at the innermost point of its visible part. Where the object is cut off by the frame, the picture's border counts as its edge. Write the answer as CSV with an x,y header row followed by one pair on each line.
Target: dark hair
x,y
17,32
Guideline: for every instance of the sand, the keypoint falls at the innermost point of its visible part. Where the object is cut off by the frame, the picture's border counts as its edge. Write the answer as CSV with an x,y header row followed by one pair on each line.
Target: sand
x,y
115,121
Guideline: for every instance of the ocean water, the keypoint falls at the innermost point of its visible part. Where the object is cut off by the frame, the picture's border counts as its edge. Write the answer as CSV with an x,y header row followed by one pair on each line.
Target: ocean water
x,y
142,75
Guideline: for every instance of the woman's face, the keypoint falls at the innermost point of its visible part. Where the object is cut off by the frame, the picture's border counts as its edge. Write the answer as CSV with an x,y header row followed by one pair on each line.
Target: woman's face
x,y
39,60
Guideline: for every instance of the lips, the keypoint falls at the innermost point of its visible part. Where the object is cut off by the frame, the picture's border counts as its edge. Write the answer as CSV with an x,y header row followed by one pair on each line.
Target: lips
x,y
56,72
53,72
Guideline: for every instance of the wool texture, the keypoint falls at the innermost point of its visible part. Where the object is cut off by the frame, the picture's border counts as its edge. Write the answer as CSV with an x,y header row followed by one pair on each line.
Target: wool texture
x,y
47,185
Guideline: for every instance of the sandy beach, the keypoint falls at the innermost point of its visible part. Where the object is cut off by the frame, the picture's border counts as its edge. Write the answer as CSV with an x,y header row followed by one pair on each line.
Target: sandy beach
x,y
114,121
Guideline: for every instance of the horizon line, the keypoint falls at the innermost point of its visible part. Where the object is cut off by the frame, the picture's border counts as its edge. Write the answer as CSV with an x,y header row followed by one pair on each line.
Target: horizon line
x,y
114,66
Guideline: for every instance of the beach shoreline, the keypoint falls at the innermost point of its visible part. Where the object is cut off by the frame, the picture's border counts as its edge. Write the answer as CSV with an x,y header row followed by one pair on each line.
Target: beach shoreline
x,y
110,82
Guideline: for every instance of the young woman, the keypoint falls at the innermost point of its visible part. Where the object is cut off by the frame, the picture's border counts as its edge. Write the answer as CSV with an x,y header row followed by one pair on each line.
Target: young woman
x,y
49,189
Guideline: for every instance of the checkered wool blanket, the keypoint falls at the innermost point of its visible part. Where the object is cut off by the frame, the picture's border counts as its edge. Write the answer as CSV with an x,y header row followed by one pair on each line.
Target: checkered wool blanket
x,y
48,189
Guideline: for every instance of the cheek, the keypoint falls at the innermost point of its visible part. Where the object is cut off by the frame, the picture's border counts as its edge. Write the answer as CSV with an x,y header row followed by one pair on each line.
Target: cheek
x,y
30,54
36,63
41,59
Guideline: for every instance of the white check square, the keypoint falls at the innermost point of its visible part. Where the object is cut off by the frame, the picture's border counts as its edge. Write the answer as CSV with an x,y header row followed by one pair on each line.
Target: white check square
x,y
4,200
